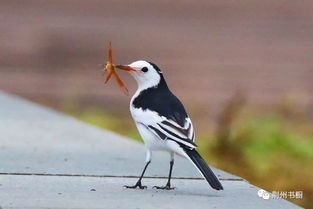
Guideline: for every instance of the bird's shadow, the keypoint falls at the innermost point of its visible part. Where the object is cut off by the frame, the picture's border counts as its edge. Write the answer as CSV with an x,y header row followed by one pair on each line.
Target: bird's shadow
x,y
182,192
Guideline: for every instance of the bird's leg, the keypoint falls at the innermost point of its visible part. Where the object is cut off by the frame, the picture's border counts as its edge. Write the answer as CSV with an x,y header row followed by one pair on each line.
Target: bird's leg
x,y
138,184
168,184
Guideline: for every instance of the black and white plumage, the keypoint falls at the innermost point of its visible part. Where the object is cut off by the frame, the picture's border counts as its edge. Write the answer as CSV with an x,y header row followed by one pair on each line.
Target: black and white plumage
x,y
162,121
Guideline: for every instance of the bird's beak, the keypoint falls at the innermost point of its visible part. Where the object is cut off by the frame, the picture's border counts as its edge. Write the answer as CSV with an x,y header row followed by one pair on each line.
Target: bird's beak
x,y
127,68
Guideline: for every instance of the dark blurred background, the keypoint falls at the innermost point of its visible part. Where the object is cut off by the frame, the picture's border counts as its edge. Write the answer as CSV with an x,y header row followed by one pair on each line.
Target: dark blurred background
x,y
243,69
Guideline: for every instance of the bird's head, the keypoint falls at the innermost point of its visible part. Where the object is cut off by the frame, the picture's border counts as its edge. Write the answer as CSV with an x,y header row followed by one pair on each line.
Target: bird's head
x,y
145,73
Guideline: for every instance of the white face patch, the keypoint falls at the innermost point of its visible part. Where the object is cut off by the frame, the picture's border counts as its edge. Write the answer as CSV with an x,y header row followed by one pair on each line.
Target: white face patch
x,y
147,79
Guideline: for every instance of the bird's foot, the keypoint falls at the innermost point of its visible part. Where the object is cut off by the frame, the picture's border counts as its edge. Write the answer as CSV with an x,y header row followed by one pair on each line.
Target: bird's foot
x,y
138,184
166,187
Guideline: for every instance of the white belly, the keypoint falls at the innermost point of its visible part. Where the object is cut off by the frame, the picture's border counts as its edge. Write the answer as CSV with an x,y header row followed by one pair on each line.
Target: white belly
x,y
151,141
142,120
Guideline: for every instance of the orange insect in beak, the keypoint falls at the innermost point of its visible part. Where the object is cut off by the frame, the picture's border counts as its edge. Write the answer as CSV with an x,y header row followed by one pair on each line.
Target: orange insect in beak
x,y
110,71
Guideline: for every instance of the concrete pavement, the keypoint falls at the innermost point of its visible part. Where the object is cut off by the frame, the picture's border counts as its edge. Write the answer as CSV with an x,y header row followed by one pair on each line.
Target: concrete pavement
x,y
50,160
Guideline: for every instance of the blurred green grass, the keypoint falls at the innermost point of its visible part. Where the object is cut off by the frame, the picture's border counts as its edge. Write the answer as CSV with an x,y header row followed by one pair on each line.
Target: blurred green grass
x,y
267,148
269,151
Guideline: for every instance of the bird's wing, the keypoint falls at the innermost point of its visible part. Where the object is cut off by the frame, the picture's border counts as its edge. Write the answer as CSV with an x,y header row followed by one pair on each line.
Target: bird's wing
x,y
168,129
164,115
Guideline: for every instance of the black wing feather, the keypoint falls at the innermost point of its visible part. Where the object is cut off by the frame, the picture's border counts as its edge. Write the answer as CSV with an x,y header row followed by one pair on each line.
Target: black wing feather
x,y
161,100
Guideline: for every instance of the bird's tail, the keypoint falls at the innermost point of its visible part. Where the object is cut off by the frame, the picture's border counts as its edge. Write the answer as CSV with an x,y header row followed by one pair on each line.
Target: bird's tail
x,y
204,169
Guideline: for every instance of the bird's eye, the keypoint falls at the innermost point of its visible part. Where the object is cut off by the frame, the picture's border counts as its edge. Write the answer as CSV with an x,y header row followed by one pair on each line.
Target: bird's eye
x,y
144,69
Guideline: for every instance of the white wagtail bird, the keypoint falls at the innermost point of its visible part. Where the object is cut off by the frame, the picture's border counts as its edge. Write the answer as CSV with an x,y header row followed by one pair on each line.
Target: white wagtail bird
x,y
162,122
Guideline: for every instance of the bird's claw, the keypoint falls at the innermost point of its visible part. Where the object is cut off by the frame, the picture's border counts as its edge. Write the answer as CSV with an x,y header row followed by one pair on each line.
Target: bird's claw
x,y
166,187
135,186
